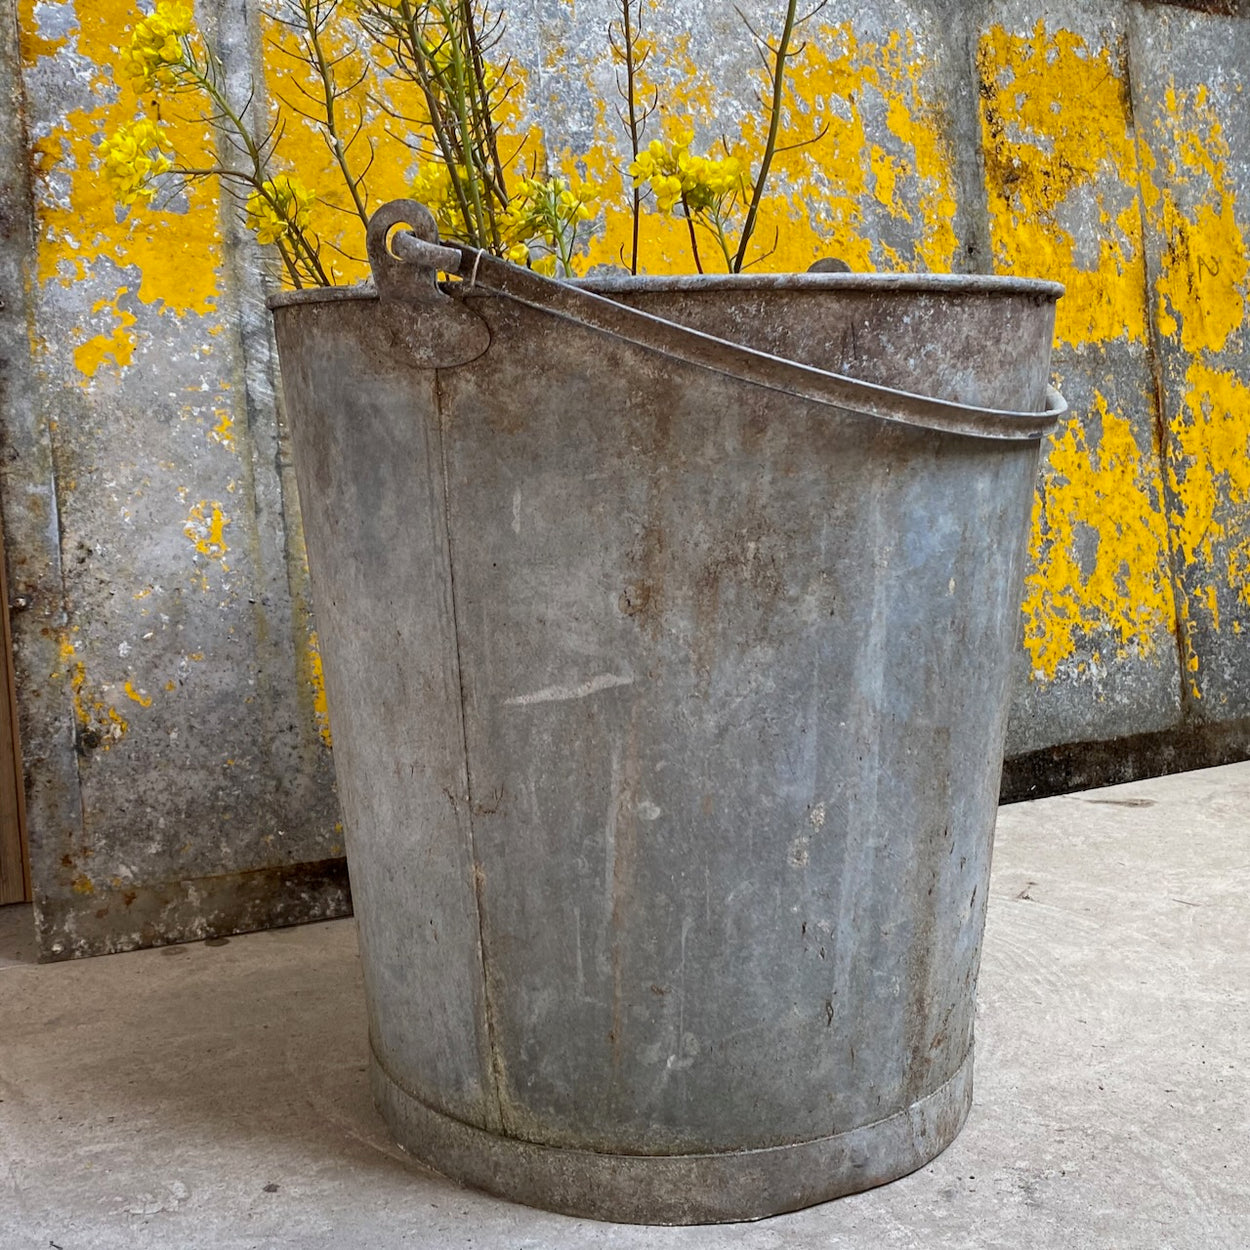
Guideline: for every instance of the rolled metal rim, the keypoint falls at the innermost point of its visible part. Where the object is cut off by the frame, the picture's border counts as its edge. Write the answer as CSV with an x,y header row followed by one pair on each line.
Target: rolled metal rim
x,y
582,305
718,1188
625,284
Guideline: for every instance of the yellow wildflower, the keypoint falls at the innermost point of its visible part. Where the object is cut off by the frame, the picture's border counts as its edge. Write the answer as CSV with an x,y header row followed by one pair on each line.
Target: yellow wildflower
x,y
131,158
667,189
702,183
433,187
572,202
278,205
157,49
546,213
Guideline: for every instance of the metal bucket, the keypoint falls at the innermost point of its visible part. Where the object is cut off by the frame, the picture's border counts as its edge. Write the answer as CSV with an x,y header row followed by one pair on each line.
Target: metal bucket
x,y
668,678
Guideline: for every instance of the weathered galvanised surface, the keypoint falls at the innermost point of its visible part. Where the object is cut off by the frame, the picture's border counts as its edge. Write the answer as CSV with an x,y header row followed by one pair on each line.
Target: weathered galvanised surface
x,y
669,711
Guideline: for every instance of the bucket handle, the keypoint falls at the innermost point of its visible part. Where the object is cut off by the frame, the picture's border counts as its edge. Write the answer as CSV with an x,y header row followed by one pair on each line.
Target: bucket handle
x,y
479,269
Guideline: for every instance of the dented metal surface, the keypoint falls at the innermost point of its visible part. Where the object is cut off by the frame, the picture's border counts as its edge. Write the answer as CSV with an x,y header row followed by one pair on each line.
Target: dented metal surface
x,y
669,713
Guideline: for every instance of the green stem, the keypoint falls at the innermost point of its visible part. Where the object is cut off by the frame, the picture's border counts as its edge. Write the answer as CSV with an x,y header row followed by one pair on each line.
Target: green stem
x,y
336,146
774,124
631,104
719,230
566,237
409,32
481,102
204,79
460,103
291,268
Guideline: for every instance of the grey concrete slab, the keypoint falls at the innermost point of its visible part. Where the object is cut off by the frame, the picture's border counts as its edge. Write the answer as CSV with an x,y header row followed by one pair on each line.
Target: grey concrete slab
x,y
179,781
1062,188
1122,674
216,1096
1192,108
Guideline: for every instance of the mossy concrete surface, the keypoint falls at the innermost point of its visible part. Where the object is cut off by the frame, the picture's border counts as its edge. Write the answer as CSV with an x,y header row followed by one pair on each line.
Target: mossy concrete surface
x,y
216,1095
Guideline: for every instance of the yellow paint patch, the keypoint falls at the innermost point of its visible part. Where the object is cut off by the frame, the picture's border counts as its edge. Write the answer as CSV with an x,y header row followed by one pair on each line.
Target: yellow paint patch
x,y
138,696
1098,529
173,250
1201,286
1061,161
205,527
83,884
826,169
117,345
316,678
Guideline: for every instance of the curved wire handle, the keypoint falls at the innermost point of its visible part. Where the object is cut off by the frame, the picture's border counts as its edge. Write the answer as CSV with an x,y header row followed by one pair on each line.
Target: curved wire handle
x,y
668,338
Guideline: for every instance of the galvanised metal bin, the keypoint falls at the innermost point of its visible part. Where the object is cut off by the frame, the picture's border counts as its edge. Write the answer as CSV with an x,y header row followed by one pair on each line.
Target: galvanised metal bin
x,y
667,626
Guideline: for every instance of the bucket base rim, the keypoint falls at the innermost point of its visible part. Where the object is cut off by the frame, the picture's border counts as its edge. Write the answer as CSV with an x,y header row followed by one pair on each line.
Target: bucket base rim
x,y
717,1188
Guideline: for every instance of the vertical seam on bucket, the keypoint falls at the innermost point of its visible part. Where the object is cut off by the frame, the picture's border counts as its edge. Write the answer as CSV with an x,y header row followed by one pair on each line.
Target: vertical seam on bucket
x,y
494,1075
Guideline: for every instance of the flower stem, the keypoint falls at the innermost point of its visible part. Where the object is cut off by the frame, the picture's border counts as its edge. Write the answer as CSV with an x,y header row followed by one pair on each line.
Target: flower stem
x,y
635,133
774,124
317,58
205,79
694,242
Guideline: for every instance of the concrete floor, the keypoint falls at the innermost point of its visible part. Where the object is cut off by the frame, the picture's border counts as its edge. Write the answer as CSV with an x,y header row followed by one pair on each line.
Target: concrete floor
x,y
215,1095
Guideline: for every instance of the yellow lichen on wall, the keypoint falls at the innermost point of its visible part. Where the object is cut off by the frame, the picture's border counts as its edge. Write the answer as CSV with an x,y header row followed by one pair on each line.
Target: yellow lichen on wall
x,y
1201,286
315,676
1097,522
173,249
1201,292
1209,472
206,528
117,344
91,710
839,90
1061,169
223,432
141,697
1061,177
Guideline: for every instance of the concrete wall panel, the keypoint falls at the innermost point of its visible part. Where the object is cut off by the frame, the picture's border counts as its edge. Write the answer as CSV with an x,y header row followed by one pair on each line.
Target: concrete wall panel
x,y
1191,94
181,660
1063,192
